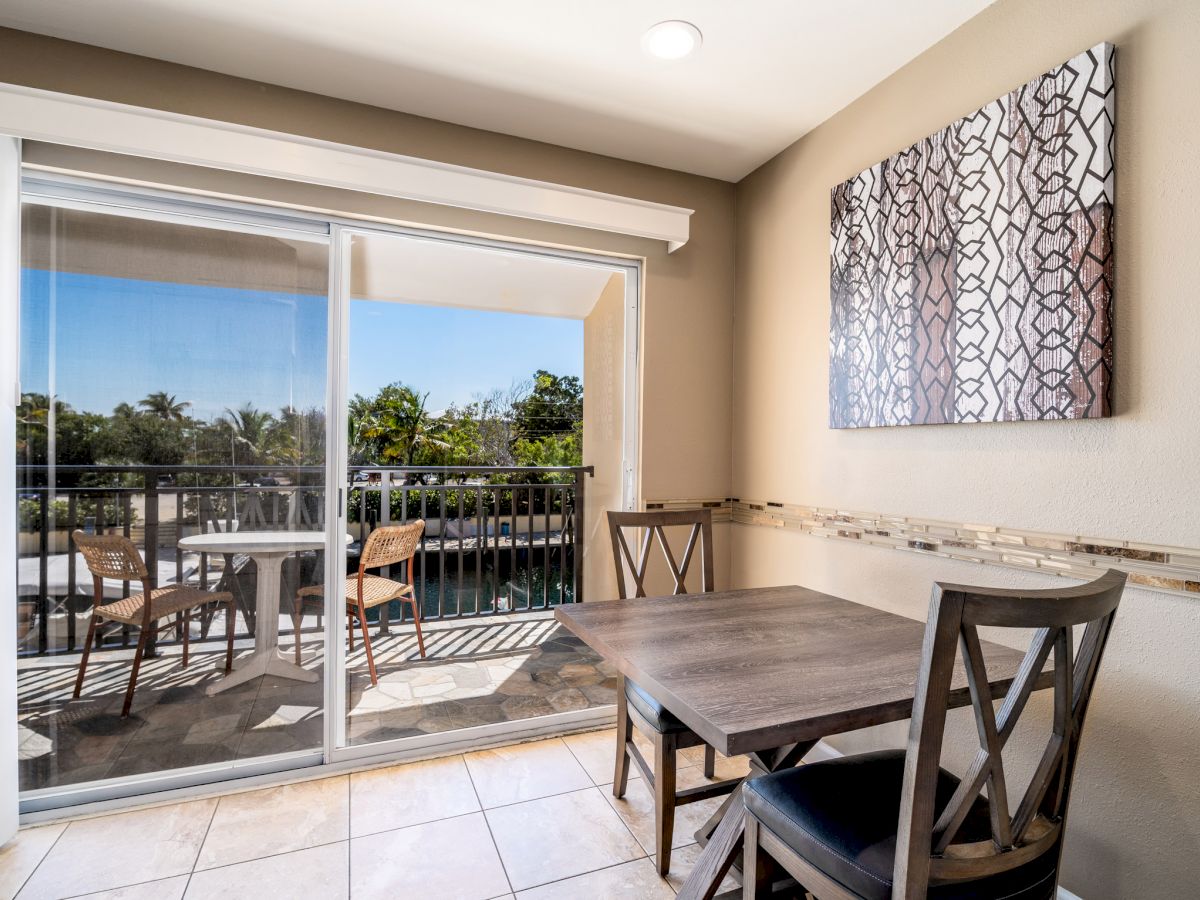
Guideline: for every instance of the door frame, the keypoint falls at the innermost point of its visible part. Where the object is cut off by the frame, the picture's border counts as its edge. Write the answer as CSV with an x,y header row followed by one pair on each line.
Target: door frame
x,y
70,191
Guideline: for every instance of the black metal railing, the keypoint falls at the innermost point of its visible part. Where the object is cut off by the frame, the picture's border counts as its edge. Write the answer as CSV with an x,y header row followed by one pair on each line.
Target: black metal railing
x,y
498,539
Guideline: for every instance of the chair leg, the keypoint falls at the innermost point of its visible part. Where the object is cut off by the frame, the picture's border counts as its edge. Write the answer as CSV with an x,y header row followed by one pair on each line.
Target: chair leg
x,y
664,800
143,634
755,882
297,622
350,628
230,617
187,630
87,651
366,636
417,622
624,733
710,762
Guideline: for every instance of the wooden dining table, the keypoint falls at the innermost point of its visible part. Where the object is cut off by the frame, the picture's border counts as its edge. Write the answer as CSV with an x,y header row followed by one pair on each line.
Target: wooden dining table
x,y
767,672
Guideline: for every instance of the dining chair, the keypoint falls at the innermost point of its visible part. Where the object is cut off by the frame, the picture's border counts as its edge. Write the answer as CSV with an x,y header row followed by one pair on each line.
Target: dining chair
x,y
636,708
388,545
115,556
894,825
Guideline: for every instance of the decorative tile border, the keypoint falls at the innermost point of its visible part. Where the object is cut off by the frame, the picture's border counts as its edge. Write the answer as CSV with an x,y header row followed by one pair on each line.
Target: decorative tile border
x,y
1153,566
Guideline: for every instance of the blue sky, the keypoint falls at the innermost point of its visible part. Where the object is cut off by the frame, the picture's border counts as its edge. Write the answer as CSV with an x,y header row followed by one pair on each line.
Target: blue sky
x,y
120,339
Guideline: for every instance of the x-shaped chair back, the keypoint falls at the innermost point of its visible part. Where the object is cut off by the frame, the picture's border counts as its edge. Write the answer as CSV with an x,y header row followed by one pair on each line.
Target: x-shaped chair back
x,y
926,846
654,524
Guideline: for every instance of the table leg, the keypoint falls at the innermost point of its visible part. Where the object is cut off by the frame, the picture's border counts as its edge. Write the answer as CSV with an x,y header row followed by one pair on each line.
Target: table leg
x,y
265,660
722,834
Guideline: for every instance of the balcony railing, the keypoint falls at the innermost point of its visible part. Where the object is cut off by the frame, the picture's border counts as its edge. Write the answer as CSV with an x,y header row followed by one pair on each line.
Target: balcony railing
x,y
497,539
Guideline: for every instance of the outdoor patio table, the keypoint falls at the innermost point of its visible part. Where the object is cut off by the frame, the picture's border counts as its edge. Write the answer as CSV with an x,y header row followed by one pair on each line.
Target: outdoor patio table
x,y
767,672
268,549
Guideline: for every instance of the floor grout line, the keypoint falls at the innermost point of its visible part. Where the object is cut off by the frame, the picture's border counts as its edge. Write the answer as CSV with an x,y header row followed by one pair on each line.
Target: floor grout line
x,y
488,825
45,856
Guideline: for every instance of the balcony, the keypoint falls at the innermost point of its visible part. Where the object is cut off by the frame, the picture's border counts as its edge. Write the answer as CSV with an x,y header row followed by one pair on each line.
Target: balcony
x,y
501,550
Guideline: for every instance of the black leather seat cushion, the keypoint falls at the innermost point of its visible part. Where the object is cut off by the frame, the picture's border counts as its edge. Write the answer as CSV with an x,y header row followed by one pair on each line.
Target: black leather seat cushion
x,y
651,710
840,815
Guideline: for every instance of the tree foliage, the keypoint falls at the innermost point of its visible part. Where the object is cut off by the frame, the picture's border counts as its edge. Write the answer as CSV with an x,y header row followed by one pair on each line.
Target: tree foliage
x,y
535,423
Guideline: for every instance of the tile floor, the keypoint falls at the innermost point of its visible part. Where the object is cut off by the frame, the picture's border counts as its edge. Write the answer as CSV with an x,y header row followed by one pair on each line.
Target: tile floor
x,y
476,673
535,821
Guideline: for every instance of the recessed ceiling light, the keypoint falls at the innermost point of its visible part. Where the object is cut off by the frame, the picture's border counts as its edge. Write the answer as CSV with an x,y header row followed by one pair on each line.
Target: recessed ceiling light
x,y
673,39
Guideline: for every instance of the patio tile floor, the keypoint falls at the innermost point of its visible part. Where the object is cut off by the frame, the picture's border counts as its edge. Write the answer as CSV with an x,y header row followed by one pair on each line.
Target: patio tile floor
x,y
477,672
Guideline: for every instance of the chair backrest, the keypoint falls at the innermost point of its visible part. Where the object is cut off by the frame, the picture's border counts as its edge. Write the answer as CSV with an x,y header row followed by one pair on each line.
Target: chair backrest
x,y
391,544
926,846
111,556
655,522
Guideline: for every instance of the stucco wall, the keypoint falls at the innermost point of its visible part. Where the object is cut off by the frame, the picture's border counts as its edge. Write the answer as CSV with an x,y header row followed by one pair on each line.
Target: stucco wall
x,y
1135,822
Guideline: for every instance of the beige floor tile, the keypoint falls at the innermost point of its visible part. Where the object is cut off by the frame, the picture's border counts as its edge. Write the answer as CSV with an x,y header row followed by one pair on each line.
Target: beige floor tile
x,y
123,849
277,820
632,879
636,809
20,856
429,861
525,772
163,889
683,860
322,872
597,753
559,837
399,796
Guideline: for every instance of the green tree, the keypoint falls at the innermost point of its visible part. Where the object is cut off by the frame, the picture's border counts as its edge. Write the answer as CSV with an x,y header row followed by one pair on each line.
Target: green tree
x,y
164,406
133,438
254,439
395,426
554,406
76,434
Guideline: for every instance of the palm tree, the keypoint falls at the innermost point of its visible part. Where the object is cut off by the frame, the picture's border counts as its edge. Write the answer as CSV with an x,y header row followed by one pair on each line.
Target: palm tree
x,y
251,432
398,425
164,405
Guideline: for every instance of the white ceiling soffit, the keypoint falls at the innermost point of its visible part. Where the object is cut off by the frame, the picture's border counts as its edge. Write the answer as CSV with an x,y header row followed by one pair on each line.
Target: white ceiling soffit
x,y
444,273
57,118
567,73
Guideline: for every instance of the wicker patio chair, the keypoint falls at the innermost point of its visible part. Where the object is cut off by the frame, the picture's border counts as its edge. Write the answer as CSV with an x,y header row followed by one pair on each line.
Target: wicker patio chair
x,y
386,546
115,556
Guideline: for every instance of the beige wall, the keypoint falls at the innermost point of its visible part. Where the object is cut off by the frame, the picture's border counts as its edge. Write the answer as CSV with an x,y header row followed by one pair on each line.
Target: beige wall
x,y
603,431
686,396
1135,829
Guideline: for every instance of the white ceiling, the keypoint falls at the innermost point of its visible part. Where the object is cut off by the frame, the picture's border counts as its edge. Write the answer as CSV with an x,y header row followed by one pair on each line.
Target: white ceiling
x,y
569,73
445,273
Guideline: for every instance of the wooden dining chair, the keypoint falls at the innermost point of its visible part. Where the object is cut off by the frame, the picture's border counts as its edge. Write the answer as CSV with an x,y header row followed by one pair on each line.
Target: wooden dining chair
x,y
386,546
636,708
894,825
115,556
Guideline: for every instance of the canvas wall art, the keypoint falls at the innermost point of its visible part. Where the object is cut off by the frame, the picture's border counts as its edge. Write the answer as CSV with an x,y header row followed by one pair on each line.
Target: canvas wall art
x,y
971,274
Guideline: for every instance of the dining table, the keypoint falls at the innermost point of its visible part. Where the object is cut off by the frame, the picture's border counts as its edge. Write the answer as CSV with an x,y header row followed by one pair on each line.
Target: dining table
x,y
767,673
268,549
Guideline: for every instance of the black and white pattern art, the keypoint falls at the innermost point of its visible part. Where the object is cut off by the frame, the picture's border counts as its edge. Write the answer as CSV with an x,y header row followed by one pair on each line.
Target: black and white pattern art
x,y
971,274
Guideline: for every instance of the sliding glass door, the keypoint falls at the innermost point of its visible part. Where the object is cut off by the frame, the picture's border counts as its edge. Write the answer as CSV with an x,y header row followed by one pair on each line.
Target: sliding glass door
x,y
173,413
247,409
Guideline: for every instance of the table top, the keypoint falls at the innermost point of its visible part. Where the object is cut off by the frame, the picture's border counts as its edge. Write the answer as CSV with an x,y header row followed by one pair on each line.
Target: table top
x,y
255,542
756,669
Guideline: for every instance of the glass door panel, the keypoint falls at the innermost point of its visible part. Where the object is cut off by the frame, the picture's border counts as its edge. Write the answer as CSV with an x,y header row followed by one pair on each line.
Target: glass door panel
x,y
174,386
465,409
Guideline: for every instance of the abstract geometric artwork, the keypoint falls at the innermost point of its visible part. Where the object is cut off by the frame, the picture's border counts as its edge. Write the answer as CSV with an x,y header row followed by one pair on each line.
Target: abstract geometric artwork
x,y
971,274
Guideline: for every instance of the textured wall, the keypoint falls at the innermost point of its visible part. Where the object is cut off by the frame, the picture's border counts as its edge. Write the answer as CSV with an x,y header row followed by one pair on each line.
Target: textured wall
x,y
1135,829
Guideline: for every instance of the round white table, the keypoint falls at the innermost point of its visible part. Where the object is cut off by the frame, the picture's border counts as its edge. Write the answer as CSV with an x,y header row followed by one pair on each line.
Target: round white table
x,y
268,549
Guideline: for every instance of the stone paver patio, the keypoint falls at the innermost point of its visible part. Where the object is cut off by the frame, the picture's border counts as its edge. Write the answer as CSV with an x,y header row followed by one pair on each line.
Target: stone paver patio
x,y
477,672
